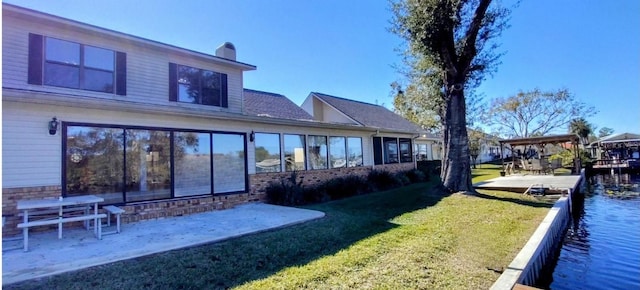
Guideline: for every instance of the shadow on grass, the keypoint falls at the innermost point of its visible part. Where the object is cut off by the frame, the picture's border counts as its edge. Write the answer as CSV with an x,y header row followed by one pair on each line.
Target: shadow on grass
x,y
241,260
532,203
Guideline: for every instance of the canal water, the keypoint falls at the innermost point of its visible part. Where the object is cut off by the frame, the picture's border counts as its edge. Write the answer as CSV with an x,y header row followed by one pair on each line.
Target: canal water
x,y
601,249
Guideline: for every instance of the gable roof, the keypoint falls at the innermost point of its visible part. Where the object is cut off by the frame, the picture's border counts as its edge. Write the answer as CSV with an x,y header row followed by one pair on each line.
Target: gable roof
x,y
617,138
265,104
368,115
72,25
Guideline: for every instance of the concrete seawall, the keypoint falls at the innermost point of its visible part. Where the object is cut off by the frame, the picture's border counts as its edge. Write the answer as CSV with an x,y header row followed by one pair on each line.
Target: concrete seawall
x,y
526,268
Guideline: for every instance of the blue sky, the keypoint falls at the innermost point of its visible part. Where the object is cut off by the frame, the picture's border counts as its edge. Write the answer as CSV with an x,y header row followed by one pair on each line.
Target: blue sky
x,y
343,48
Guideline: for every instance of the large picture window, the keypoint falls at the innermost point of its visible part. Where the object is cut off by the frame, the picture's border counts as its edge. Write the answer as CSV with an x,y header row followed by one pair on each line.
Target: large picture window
x,y
148,166
267,152
197,86
294,152
337,152
354,148
228,163
192,158
94,162
123,164
317,150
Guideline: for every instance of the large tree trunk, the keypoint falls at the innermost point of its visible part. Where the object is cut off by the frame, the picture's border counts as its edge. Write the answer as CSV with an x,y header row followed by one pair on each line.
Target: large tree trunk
x,y
456,162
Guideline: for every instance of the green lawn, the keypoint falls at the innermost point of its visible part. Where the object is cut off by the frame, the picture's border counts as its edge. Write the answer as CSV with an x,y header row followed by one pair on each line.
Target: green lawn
x,y
407,238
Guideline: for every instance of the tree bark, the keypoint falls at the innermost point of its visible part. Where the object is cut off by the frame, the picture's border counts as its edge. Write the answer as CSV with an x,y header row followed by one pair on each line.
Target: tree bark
x,y
456,162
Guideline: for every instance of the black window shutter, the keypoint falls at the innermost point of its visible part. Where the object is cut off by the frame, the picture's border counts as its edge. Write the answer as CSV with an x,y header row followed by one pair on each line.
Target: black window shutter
x,y
121,73
36,58
377,150
173,82
224,102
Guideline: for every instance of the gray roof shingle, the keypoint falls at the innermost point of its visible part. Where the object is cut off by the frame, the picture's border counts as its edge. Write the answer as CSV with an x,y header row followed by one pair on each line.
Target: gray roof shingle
x,y
369,115
264,104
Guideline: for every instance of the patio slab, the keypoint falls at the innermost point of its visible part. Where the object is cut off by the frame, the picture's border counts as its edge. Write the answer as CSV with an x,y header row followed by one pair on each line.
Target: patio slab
x,y
79,249
519,183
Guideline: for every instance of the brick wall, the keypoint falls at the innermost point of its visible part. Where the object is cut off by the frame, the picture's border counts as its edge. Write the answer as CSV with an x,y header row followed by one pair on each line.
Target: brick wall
x,y
134,212
181,206
10,197
259,182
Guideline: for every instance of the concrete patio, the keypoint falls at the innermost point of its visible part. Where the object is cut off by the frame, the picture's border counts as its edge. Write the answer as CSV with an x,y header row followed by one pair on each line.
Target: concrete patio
x,y
79,249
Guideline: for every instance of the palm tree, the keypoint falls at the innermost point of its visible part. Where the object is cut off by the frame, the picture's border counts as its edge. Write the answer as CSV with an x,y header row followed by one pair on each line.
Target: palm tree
x,y
582,128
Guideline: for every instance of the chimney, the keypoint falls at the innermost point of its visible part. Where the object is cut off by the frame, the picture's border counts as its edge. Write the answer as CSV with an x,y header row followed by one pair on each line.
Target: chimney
x,y
226,50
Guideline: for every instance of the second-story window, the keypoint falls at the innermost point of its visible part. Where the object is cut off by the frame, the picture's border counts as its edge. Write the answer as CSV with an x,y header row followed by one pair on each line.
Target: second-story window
x,y
73,65
61,63
197,86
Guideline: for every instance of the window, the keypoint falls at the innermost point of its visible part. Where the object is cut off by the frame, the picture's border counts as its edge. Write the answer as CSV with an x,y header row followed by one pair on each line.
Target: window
x,y
61,63
294,152
317,150
337,152
148,166
421,152
390,150
229,174
267,152
94,162
122,164
354,151
405,150
192,159
197,86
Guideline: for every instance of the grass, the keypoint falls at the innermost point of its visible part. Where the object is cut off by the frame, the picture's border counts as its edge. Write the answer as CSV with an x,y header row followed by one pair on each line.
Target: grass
x,y
406,238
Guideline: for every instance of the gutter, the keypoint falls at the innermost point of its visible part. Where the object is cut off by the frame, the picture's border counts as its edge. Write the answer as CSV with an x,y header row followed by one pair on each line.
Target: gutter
x,y
176,109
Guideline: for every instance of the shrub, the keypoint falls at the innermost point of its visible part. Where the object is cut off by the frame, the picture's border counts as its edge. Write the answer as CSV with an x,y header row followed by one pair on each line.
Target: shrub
x,y
416,175
289,191
345,186
316,194
382,180
402,178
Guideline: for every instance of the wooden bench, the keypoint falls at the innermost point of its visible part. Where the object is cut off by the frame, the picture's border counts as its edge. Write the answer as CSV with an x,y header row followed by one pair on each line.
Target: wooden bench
x,y
112,209
59,221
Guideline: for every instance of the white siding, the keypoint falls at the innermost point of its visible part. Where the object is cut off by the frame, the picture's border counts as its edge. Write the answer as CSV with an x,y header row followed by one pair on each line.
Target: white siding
x,y
332,115
147,66
32,157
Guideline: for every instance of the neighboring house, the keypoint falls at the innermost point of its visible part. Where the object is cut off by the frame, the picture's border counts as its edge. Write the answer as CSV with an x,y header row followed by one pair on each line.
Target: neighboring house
x,y
617,147
489,148
161,130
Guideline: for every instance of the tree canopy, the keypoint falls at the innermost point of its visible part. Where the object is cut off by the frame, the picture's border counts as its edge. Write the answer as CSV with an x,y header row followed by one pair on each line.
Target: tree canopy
x,y
535,112
449,50
582,128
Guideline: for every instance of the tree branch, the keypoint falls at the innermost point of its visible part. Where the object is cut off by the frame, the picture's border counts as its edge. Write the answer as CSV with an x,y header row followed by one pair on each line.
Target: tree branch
x,y
469,49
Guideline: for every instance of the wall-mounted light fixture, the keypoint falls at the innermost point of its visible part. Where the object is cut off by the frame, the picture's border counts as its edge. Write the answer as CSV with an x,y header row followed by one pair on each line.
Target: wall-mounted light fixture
x,y
53,126
252,136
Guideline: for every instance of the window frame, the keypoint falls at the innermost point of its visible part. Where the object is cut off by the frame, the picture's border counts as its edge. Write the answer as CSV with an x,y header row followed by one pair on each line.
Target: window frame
x,y
329,153
361,151
280,151
405,157
38,64
175,91
326,153
304,151
171,132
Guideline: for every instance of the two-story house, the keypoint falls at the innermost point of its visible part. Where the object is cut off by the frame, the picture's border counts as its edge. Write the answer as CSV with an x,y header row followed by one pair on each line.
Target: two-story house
x,y
162,130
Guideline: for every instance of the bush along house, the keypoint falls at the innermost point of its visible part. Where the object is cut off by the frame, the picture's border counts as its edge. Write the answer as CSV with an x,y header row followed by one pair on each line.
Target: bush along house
x,y
164,131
